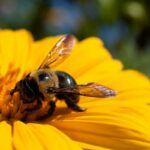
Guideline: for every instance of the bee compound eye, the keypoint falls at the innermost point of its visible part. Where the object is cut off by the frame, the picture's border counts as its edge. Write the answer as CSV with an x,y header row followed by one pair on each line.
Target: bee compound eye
x,y
43,77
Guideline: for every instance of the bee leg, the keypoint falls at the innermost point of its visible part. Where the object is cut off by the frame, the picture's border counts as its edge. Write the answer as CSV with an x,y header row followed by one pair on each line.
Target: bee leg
x,y
30,110
38,106
49,112
71,104
13,91
16,88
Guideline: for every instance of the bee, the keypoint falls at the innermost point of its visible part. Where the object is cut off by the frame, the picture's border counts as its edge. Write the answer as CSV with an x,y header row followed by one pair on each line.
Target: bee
x,y
40,89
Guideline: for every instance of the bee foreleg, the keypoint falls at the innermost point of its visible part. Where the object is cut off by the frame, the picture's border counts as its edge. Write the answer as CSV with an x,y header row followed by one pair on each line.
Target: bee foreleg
x,y
13,91
16,88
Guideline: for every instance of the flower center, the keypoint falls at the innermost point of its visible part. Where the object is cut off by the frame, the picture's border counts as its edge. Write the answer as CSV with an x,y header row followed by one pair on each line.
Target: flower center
x,y
12,106
7,81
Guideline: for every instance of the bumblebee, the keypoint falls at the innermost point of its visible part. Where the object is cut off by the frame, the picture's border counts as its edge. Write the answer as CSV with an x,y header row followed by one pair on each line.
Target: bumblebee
x,y
40,89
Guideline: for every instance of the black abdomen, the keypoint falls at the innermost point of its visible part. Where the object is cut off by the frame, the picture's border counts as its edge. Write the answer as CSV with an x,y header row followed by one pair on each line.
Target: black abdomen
x,y
65,80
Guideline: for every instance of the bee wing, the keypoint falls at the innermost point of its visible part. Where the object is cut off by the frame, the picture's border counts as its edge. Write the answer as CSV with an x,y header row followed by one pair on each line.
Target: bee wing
x,y
89,89
59,52
95,90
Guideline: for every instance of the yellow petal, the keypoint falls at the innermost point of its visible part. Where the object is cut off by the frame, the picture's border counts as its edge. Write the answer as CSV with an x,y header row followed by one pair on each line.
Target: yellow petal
x,y
135,96
130,79
5,138
100,70
6,49
87,146
24,138
51,138
14,49
114,130
23,43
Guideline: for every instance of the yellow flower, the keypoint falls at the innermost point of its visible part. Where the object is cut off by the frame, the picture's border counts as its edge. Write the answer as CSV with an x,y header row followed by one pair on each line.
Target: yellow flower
x,y
120,122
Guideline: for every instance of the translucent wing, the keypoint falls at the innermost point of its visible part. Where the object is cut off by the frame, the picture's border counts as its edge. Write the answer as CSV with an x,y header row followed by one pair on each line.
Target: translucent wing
x,y
95,90
59,52
89,89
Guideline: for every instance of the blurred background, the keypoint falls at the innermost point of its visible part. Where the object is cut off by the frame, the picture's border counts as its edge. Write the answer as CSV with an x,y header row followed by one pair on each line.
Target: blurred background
x,y
124,26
